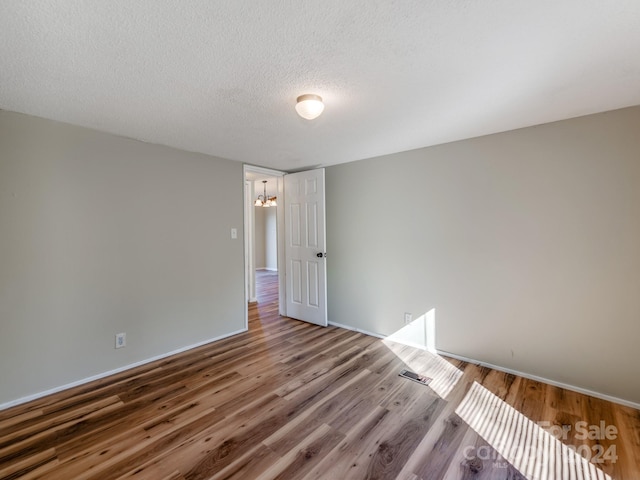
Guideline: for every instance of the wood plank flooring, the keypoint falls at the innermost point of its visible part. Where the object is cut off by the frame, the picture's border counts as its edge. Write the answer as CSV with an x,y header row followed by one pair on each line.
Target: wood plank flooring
x,y
294,401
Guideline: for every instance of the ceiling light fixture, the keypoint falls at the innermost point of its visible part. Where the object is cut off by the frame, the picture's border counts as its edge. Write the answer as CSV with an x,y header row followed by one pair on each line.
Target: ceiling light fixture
x,y
309,106
263,200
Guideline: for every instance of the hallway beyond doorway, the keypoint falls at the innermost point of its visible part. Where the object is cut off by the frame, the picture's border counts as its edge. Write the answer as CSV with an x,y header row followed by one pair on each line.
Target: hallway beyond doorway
x,y
267,286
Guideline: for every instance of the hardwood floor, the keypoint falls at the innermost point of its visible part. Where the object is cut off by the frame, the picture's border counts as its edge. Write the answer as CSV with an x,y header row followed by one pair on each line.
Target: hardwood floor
x,y
291,400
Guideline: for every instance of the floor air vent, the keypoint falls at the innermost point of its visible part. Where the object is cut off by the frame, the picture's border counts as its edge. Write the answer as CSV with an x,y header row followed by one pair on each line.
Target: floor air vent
x,y
415,377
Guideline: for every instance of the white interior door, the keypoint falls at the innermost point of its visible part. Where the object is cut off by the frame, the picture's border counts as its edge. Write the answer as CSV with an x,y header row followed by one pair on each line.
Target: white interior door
x,y
305,256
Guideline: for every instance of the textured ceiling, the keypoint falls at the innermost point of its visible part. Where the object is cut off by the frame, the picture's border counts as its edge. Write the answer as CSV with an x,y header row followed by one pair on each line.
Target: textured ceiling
x,y
221,77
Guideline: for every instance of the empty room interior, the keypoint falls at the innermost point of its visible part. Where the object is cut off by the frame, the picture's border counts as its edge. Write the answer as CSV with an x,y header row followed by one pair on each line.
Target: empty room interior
x,y
331,240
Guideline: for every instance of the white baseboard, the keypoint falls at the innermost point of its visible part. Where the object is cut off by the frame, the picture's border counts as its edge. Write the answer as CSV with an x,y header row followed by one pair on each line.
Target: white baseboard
x,y
548,381
566,386
267,269
35,396
347,327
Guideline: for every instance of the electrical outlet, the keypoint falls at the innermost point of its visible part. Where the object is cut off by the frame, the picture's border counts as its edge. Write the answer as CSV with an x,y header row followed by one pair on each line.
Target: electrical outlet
x,y
121,340
234,233
407,318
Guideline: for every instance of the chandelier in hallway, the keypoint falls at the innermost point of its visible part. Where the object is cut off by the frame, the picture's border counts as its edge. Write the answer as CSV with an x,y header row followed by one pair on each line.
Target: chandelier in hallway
x,y
263,200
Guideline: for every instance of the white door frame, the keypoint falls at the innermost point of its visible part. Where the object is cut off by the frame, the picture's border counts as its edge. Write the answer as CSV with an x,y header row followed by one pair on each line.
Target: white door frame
x,y
249,254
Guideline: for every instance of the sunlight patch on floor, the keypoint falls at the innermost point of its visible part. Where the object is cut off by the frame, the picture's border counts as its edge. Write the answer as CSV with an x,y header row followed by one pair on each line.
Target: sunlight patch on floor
x,y
415,345
536,453
444,375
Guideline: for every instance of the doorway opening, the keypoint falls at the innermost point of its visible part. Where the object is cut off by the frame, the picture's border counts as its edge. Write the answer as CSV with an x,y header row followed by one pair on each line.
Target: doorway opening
x,y
265,238
264,249
303,271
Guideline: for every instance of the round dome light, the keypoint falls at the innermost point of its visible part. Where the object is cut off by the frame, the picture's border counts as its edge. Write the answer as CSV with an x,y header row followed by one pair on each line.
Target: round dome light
x,y
309,106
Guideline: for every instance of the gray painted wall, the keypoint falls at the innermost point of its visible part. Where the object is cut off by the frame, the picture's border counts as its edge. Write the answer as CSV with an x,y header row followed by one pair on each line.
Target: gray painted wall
x,y
101,234
265,238
259,239
265,225
526,243
271,239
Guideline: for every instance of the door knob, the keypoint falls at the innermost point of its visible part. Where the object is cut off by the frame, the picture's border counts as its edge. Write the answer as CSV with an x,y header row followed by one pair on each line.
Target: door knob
x,y
320,254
